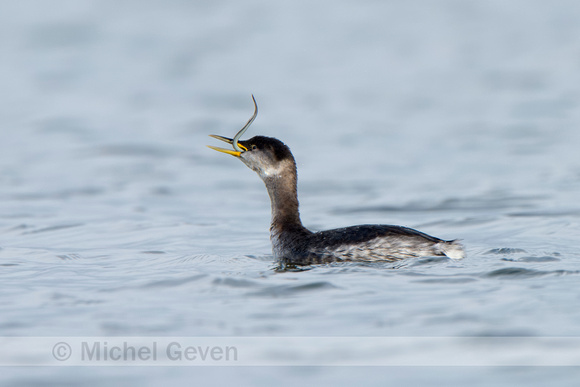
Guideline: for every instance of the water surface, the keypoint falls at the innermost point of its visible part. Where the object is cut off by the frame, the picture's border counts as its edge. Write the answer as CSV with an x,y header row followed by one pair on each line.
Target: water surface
x,y
457,119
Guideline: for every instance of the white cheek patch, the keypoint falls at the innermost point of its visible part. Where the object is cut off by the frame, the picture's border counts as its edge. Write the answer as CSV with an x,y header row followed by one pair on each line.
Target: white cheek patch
x,y
272,171
281,168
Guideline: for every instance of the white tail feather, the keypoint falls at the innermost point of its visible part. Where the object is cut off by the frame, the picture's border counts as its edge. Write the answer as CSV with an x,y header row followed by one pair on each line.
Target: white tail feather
x,y
453,250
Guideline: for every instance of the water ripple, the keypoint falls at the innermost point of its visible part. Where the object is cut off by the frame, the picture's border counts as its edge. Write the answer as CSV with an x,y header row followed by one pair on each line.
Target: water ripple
x,y
290,290
448,280
53,228
505,250
522,273
173,282
532,259
475,203
235,282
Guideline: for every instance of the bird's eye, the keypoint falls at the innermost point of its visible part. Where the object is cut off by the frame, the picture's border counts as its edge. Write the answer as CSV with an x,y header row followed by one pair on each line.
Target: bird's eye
x,y
254,147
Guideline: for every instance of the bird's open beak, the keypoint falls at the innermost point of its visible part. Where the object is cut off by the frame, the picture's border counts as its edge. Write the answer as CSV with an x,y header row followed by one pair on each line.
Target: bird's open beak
x,y
238,148
229,141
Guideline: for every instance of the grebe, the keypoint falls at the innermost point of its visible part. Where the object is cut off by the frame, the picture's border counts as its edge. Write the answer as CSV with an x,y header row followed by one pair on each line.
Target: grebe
x,y
294,244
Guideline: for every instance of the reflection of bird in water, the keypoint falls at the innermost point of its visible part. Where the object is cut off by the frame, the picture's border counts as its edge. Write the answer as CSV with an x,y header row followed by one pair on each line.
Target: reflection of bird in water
x,y
292,243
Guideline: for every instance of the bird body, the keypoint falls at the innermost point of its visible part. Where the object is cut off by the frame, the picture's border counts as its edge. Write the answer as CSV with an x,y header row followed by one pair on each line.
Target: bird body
x,y
294,244
359,243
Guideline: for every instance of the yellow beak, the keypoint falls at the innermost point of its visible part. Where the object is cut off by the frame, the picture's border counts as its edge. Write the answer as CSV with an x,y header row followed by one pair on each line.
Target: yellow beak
x,y
229,141
229,152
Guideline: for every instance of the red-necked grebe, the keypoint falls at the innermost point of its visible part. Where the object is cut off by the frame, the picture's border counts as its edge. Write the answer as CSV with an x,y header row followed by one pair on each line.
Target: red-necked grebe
x,y
294,244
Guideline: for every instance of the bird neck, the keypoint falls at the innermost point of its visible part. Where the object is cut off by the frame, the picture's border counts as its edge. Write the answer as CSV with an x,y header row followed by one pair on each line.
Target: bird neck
x,y
284,200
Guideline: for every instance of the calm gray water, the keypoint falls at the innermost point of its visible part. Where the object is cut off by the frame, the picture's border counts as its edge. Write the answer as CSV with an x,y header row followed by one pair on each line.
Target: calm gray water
x,y
457,118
